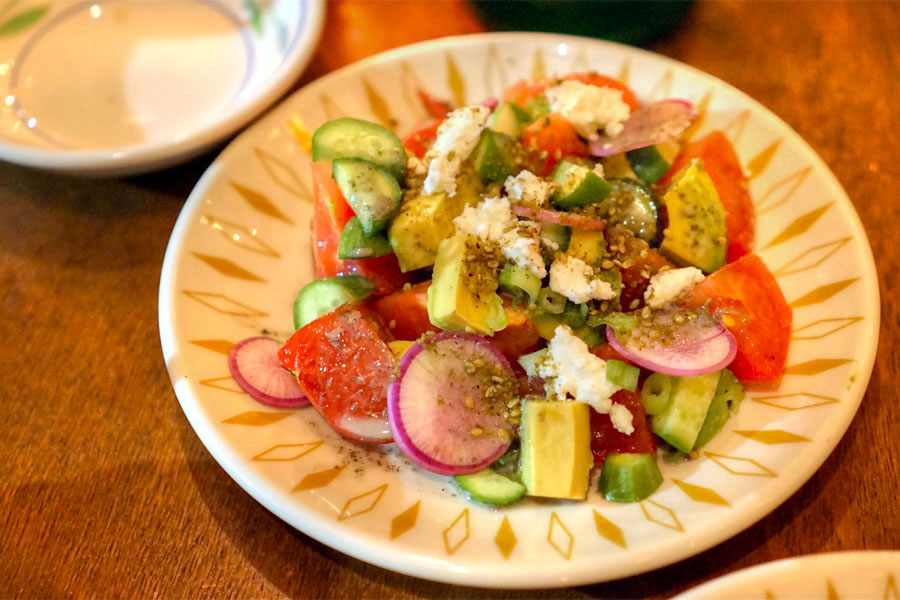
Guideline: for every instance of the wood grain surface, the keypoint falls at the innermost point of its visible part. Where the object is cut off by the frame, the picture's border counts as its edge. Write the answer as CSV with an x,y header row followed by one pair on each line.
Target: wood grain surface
x,y
105,490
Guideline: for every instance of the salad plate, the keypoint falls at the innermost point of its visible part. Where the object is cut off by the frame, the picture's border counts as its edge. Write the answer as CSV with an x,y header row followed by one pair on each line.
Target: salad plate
x,y
157,84
828,575
241,249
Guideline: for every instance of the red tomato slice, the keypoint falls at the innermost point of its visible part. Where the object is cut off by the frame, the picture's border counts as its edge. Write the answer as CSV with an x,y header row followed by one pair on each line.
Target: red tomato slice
x,y
644,261
559,217
724,168
747,297
419,141
523,91
407,310
606,439
331,213
344,368
551,139
436,109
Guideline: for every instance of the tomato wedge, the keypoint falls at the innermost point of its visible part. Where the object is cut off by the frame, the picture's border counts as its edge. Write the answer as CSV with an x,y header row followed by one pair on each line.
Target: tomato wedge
x,y
331,213
407,311
643,263
606,439
724,169
435,107
344,367
550,139
746,296
419,141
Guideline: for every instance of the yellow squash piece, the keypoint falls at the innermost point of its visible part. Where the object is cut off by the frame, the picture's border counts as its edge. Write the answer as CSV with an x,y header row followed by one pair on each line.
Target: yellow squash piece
x,y
556,449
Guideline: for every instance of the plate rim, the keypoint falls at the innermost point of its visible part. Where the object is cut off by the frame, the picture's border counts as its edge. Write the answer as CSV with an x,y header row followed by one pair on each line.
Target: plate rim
x,y
806,464
140,158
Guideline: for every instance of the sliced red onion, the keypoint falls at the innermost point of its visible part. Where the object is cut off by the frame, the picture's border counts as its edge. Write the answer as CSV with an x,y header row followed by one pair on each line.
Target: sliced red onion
x,y
255,366
696,346
439,411
490,103
559,217
648,125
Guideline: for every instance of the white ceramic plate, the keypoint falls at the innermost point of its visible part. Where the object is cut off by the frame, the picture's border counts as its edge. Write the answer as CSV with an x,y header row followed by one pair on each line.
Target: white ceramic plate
x,y
240,250
832,576
114,87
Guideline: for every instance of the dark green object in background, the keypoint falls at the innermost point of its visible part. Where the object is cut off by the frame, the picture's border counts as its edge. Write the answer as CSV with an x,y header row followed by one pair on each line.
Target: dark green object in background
x,y
630,22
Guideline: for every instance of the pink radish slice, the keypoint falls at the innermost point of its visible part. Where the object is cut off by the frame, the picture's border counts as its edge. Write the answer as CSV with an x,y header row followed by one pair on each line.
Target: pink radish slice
x,y
254,365
440,408
648,125
559,217
696,346
490,103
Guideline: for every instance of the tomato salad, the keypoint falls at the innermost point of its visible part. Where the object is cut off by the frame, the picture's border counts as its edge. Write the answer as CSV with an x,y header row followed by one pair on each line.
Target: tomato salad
x,y
530,291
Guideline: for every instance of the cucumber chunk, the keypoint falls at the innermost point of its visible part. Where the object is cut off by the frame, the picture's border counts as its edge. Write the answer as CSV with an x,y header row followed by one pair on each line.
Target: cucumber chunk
x,y
729,394
320,297
518,281
371,191
680,423
578,185
355,138
629,477
508,118
555,236
648,163
354,242
491,488
494,156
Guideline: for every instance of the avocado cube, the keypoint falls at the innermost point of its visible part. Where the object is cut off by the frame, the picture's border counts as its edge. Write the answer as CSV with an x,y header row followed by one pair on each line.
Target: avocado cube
x,y
556,448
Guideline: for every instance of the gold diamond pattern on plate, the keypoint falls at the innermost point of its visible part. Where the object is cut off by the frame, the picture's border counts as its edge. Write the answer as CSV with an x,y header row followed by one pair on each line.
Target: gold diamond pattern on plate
x,y
663,87
257,418
799,226
223,304
538,69
228,268
226,383
220,346
758,164
823,328
661,515
831,593
822,293
457,533
301,132
698,493
772,436
770,595
781,191
609,530
455,82
505,538
330,108
378,106
795,401
891,591
494,72
702,108
287,452
581,64
260,202
405,520
243,238
735,128
281,172
739,465
624,71
409,86
810,258
559,536
816,366
319,479
362,503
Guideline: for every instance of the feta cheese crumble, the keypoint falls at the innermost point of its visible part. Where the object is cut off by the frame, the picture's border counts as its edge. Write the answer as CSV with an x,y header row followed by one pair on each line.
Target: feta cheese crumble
x,y
493,220
570,370
666,287
457,136
589,108
574,279
528,189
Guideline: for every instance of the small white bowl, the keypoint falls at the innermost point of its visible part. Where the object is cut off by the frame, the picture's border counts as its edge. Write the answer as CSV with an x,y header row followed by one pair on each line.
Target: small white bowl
x,y
116,87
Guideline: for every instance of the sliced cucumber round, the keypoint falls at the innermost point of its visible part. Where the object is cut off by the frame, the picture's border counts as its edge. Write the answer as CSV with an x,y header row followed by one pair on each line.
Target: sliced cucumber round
x,y
355,138
491,488
372,192
322,296
354,242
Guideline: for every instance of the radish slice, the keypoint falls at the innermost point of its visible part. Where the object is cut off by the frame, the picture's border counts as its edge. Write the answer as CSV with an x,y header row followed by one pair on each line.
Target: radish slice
x,y
648,125
490,103
447,406
559,217
680,343
254,365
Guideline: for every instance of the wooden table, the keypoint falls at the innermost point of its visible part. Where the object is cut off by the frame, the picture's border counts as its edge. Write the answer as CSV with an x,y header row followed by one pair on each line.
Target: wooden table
x,y
106,491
